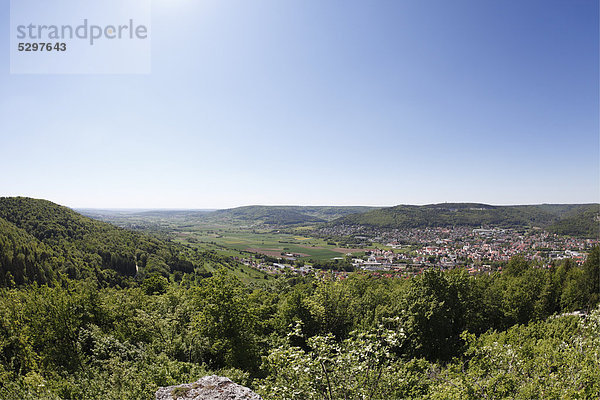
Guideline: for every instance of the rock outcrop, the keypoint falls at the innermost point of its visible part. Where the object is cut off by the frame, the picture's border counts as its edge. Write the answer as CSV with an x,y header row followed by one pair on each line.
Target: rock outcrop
x,y
211,387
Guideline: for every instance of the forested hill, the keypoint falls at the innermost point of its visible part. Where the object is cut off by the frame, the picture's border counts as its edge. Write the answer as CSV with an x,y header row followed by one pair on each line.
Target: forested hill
x,y
41,241
255,216
567,219
283,215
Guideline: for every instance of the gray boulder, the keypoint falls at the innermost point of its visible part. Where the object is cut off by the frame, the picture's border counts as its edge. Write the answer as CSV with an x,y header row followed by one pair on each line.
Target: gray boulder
x,y
211,387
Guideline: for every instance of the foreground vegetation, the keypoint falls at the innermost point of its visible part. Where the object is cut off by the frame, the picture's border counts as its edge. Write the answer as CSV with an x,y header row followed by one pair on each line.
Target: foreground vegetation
x,y
440,335
90,311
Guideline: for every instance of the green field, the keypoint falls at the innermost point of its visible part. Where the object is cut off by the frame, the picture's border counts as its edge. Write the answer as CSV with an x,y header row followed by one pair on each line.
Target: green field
x,y
246,274
231,236
235,241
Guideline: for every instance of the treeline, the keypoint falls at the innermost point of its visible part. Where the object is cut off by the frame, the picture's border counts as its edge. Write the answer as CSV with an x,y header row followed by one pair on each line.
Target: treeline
x,y
43,242
438,333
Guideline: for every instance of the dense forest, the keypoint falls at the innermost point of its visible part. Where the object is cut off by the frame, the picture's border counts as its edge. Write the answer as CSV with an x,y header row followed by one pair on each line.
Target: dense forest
x,y
43,242
563,219
77,323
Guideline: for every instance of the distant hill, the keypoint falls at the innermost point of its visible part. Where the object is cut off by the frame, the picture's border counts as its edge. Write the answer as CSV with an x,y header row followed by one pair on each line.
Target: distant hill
x,y
248,215
263,215
283,215
40,240
571,219
155,221
99,213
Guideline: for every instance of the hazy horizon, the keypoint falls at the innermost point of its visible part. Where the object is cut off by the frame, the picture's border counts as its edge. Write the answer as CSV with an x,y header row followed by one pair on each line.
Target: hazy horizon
x,y
216,208
141,209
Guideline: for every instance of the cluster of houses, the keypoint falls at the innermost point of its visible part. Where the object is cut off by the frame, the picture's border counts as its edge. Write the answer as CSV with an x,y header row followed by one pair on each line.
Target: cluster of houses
x,y
409,252
465,246
276,268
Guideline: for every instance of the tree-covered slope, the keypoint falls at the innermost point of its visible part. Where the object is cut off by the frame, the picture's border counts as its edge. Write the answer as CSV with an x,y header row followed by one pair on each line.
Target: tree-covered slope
x,y
563,218
264,215
40,240
583,220
282,215
23,257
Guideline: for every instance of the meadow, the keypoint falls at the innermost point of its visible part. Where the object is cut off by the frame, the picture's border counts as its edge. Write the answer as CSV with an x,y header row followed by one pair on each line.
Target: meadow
x,y
237,242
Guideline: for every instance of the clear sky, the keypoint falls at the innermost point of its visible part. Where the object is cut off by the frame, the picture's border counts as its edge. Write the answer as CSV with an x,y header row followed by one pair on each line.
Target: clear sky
x,y
370,102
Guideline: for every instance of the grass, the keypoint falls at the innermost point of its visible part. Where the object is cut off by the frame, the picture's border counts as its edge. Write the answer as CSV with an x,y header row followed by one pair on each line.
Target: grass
x,y
245,274
179,392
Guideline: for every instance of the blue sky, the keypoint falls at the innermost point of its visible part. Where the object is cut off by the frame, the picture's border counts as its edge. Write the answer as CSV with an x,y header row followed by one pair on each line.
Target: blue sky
x,y
320,102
